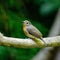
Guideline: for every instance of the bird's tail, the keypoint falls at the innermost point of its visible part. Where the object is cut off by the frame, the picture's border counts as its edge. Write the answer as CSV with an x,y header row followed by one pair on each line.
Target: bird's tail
x,y
43,41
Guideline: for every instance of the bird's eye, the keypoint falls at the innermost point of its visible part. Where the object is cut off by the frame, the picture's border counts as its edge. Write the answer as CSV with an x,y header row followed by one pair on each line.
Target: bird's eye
x,y
27,23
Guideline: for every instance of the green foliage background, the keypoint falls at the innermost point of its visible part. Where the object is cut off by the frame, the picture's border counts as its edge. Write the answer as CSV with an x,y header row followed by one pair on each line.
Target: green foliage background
x,y
12,12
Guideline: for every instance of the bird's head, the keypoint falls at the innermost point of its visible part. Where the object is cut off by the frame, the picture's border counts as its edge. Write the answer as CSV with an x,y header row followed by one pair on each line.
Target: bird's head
x,y
26,23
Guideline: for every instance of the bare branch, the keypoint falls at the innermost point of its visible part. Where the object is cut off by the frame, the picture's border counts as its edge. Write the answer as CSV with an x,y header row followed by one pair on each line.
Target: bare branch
x,y
28,43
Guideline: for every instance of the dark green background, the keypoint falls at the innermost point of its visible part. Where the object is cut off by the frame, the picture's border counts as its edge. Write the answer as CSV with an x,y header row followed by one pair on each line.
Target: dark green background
x,y
12,12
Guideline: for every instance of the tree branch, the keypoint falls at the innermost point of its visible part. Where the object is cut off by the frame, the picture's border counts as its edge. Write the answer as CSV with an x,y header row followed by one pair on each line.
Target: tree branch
x,y
28,43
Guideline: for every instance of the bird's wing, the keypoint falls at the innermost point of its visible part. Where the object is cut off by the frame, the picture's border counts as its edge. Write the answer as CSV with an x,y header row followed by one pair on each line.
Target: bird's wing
x,y
34,31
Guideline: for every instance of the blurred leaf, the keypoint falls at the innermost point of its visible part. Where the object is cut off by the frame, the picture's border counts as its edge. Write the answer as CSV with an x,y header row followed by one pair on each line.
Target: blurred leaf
x,y
48,8
4,54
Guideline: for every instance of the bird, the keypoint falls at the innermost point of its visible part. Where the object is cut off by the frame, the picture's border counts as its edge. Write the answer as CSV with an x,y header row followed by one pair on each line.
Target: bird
x,y
30,29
